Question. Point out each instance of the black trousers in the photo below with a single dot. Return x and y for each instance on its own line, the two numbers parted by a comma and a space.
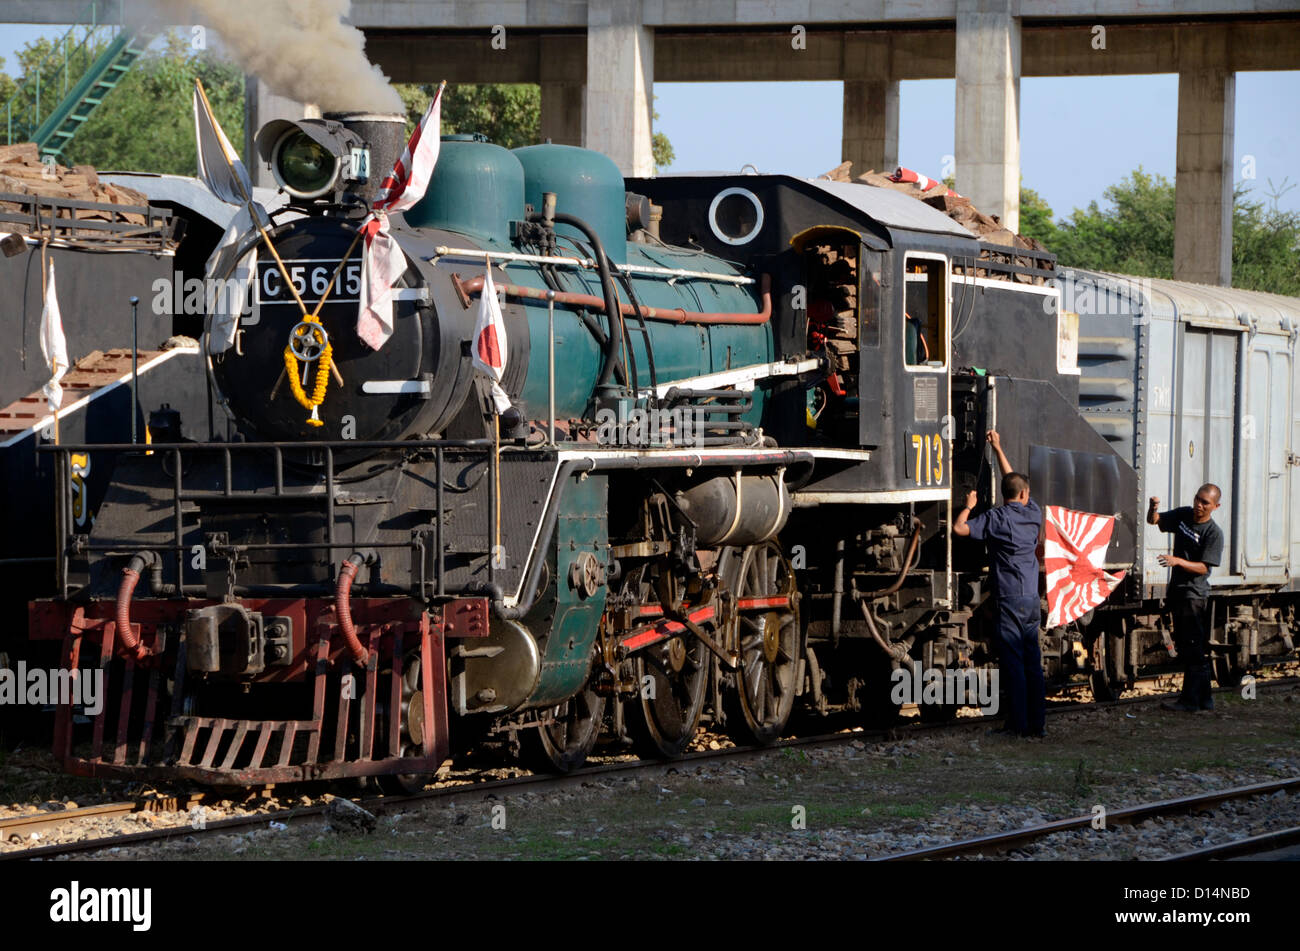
1192, 641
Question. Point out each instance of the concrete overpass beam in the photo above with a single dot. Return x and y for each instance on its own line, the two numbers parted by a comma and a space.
870, 136
988, 107
1207, 93
620, 85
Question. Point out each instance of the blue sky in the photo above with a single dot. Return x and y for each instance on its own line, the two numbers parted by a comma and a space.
1077, 135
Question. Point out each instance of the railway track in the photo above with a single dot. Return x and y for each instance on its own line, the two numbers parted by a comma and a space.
386, 805
1240, 848
1002, 842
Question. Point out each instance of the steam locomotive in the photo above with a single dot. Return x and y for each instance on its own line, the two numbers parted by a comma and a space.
743, 408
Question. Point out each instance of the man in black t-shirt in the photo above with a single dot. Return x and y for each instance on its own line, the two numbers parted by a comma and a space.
1198, 547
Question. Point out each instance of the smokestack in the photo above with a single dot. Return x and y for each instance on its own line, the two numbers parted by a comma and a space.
385, 134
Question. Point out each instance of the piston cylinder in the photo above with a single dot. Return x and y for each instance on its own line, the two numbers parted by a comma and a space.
736, 510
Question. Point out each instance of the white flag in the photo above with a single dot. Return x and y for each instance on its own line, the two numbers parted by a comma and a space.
382, 265
227, 288
383, 261
219, 164
53, 344
489, 349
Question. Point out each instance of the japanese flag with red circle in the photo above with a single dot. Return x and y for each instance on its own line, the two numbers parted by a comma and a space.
1074, 556
489, 349
383, 261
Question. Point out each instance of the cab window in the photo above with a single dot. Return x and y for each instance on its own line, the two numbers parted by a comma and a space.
925, 312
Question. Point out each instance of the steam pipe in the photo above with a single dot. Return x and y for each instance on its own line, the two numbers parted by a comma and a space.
343, 605
897, 652
131, 577
907, 564
674, 315
612, 308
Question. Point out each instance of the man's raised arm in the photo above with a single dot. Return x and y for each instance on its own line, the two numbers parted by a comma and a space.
996, 442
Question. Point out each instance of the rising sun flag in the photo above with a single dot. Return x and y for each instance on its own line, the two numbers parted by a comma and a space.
384, 262
1074, 557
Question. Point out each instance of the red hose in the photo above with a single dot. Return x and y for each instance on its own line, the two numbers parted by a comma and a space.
675, 315
124, 591
343, 607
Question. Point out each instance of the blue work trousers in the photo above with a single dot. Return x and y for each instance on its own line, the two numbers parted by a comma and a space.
1021, 665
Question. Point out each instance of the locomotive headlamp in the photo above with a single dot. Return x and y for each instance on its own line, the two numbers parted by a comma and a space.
311, 158
303, 166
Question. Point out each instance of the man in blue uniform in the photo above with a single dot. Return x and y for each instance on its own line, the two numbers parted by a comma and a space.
1198, 547
1011, 532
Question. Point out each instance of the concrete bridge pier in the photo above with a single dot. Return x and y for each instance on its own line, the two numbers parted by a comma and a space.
619, 98
870, 137
988, 107
1207, 92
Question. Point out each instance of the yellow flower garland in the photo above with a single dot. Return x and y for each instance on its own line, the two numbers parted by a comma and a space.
322, 375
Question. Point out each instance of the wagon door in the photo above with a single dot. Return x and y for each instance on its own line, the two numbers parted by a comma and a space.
1265, 449
1205, 424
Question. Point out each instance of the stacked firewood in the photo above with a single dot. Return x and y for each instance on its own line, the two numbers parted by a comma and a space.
940, 196
833, 306
22, 173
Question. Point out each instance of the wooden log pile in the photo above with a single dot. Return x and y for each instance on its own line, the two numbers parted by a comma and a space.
23, 173
938, 195
834, 312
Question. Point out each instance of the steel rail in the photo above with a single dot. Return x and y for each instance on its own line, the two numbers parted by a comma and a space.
541, 782
1004, 841
1252, 845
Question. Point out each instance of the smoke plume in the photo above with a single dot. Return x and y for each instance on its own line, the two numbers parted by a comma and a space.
301, 49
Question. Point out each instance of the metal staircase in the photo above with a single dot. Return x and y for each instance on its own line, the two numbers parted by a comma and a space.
62, 92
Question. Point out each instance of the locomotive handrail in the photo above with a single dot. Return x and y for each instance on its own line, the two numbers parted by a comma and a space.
66, 541
591, 302
473, 254
403, 444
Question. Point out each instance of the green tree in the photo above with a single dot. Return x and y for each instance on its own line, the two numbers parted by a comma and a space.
1265, 245
1036, 218
509, 114
47, 69
7, 85
147, 122
1135, 234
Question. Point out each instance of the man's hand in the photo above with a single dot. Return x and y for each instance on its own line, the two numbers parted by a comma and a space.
996, 442
1171, 561
971, 499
